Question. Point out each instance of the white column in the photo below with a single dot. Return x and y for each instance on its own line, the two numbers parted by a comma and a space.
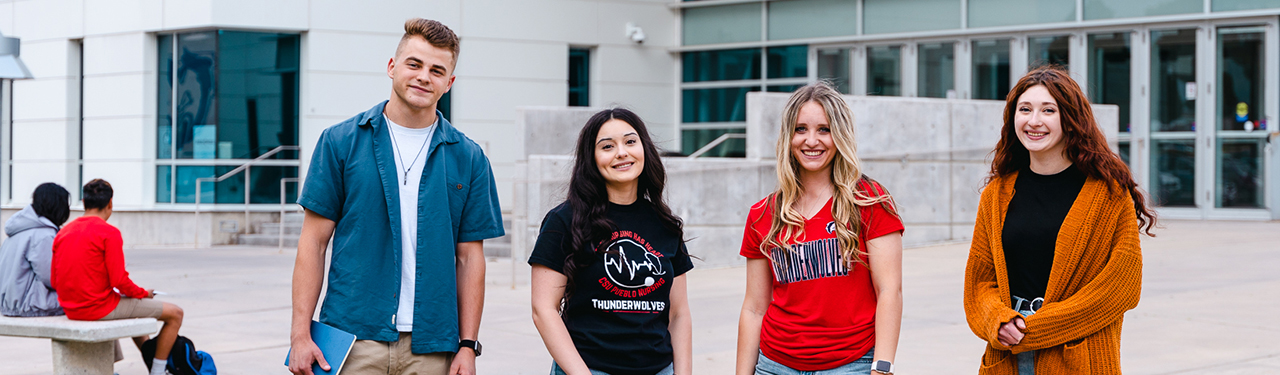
46, 113
1140, 108
964, 69
909, 69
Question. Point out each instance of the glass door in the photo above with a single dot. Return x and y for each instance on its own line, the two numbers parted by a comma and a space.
1240, 132
1173, 117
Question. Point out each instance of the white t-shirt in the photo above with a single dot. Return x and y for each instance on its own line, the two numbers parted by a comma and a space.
409, 141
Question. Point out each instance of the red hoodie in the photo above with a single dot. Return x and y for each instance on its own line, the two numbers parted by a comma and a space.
88, 268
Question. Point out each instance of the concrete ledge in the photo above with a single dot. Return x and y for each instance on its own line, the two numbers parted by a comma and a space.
61, 328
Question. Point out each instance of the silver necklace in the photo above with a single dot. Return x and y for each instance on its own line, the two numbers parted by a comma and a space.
396, 145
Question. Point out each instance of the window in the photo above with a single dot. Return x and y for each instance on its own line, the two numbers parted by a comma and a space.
713, 96
1105, 9
1049, 50
833, 66
1109, 79
225, 97
936, 72
1109, 72
1229, 5
898, 16
989, 13
1173, 114
788, 62
722, 24
812, 19
579, 77
884, 70
990, 69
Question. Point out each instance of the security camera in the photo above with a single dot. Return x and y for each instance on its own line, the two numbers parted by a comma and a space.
635, 33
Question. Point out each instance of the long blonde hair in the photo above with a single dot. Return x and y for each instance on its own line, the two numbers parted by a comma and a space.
846, 172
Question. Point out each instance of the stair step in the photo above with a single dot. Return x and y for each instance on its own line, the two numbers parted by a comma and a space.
274, 228
266, 240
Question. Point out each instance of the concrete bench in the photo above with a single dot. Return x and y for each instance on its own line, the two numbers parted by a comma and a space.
79, 347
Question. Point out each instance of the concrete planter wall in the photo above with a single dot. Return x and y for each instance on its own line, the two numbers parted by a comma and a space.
932, 154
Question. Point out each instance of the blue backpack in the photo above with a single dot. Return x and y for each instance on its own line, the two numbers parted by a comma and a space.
184, 359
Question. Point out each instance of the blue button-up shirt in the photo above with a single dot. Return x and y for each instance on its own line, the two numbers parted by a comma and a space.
353, 181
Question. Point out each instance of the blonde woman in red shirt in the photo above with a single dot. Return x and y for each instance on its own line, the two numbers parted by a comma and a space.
824, 254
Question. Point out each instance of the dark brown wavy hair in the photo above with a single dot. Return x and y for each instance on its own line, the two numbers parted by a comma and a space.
1086, 146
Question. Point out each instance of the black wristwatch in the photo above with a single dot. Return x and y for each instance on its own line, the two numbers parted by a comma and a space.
472, 344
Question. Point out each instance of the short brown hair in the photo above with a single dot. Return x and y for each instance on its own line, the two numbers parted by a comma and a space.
434, 32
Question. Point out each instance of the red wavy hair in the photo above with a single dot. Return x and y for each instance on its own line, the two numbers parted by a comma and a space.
1086, 146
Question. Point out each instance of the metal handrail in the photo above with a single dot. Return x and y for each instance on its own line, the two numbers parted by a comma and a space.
717, 142
243, 167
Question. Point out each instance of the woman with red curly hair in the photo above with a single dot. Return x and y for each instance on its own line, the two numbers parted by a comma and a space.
1055, 260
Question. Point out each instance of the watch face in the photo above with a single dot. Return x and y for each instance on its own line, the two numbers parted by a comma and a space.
883, 366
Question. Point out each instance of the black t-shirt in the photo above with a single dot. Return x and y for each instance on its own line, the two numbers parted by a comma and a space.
617, 314
1040, 203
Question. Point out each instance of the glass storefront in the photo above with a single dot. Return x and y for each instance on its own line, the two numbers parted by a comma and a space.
1173, 117
1241, 128
1193, 79
225, 97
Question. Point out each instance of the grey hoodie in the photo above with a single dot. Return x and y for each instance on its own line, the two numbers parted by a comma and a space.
25, 258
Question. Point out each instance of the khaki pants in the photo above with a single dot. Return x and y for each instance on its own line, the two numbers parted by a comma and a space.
129, 308
370, 357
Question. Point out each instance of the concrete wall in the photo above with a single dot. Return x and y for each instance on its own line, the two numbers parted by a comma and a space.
150, 229
712, 195
932, 154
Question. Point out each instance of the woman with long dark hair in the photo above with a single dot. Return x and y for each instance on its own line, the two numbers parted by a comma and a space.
26, 257
824, 253
1055, 259
608, 286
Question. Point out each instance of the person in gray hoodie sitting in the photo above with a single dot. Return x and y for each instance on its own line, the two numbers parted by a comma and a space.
25, 257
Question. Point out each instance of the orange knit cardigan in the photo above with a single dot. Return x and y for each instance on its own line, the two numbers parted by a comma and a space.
1096, 277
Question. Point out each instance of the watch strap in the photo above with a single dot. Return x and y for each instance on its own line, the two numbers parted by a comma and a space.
474, 345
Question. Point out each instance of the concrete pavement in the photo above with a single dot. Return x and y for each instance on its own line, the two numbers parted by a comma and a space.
1210, 302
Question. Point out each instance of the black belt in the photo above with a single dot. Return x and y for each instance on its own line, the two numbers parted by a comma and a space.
1020, 304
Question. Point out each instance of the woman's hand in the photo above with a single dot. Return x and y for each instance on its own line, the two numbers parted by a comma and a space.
1011, 331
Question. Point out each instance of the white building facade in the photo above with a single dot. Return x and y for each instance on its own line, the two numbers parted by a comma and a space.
152, 95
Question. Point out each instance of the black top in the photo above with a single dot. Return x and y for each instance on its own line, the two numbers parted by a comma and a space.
1040, 203
617, 314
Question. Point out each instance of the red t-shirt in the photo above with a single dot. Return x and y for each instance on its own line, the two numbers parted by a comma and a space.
88, 268
822, 314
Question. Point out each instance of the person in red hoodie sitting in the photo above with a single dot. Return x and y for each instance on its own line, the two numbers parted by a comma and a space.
88, 274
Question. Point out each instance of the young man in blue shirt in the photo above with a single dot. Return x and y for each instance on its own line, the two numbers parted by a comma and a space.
408, 201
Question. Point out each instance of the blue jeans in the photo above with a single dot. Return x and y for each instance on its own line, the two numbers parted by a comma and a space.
1026, 360
862, 366
556, 370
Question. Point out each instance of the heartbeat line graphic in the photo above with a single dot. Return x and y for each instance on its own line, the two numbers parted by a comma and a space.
623, 264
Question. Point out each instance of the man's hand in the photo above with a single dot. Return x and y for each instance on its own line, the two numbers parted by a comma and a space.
1011, 331
303, 353
464, 363
151, 293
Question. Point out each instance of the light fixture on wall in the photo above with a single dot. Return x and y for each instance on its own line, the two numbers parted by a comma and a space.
11, 67
635, 33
